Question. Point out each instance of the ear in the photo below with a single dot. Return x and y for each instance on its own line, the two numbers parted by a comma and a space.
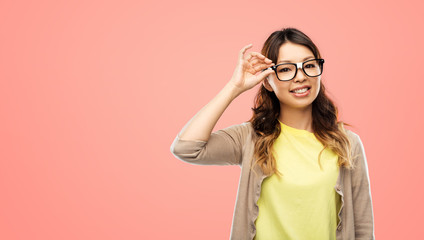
265, 83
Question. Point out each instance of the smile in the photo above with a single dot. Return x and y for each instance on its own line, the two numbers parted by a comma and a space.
301, 92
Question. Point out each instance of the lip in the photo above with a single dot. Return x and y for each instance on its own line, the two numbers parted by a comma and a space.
303, 86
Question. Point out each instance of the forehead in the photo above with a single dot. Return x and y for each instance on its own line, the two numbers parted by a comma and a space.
293, 52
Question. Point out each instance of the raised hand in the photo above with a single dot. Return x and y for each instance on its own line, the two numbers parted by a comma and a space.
244, 76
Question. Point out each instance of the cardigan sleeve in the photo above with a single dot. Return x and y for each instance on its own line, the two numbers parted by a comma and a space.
361, 191
224, 147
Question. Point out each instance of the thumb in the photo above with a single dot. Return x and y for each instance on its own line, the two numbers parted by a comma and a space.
264, 74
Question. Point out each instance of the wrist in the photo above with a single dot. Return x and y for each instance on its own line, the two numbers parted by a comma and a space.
233, 89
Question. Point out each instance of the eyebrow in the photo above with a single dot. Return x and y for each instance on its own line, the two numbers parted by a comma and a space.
302, 60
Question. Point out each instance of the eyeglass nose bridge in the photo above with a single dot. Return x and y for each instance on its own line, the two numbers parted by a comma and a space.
299, 65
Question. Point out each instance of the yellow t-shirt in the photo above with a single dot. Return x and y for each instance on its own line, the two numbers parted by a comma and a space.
303, 204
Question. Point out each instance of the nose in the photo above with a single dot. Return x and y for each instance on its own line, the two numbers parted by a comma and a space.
300, 75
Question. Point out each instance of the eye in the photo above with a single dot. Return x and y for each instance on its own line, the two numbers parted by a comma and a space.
310, 65
284, 70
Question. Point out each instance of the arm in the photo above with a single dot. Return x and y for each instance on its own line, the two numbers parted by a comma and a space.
243, 79
361, 191
201, 125
224, 147
195, 143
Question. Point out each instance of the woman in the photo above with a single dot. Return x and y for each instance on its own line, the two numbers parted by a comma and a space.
303, 175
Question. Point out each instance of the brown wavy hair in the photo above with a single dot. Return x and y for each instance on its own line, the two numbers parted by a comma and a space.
327, 129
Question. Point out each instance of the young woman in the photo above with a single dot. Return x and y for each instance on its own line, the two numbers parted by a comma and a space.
303, 175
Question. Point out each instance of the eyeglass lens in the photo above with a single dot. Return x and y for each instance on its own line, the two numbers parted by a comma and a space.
287, 71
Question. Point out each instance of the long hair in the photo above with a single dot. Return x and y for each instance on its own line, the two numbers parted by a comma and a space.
327, 129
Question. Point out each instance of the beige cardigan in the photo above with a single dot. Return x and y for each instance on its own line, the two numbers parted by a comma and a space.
234, 145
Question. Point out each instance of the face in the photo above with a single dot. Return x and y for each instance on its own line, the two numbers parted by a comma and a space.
294, 53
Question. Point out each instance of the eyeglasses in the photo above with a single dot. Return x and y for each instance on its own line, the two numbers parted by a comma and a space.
287, 71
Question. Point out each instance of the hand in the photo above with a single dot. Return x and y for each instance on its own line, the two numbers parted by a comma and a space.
244, 76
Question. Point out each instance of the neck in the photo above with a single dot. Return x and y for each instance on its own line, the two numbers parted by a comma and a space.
300, 118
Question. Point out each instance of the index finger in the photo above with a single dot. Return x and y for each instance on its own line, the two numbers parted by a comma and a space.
258, 55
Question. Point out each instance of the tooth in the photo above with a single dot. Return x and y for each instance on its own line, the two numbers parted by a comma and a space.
301, 90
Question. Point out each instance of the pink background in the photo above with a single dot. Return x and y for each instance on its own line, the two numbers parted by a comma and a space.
94, 92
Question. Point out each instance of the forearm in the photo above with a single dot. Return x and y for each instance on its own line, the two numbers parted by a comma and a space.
201, 125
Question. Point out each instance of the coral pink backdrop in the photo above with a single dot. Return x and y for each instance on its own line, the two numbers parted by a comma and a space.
94, 92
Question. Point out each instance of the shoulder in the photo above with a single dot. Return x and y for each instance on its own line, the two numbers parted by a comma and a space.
243, 127
357, 150
353, 138
248, 128
242, 130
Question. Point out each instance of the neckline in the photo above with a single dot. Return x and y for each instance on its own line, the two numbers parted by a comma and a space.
295, 131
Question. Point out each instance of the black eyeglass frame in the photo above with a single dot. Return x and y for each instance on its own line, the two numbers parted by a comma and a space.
298, 65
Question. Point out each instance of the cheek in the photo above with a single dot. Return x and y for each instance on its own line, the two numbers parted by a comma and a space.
277, 85
273, 82
282, 91
318, 85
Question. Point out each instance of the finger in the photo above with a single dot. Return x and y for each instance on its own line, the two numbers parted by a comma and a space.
251, 70
259, 67
243, 50
248, 56
258, 55
255, 60
264, 74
